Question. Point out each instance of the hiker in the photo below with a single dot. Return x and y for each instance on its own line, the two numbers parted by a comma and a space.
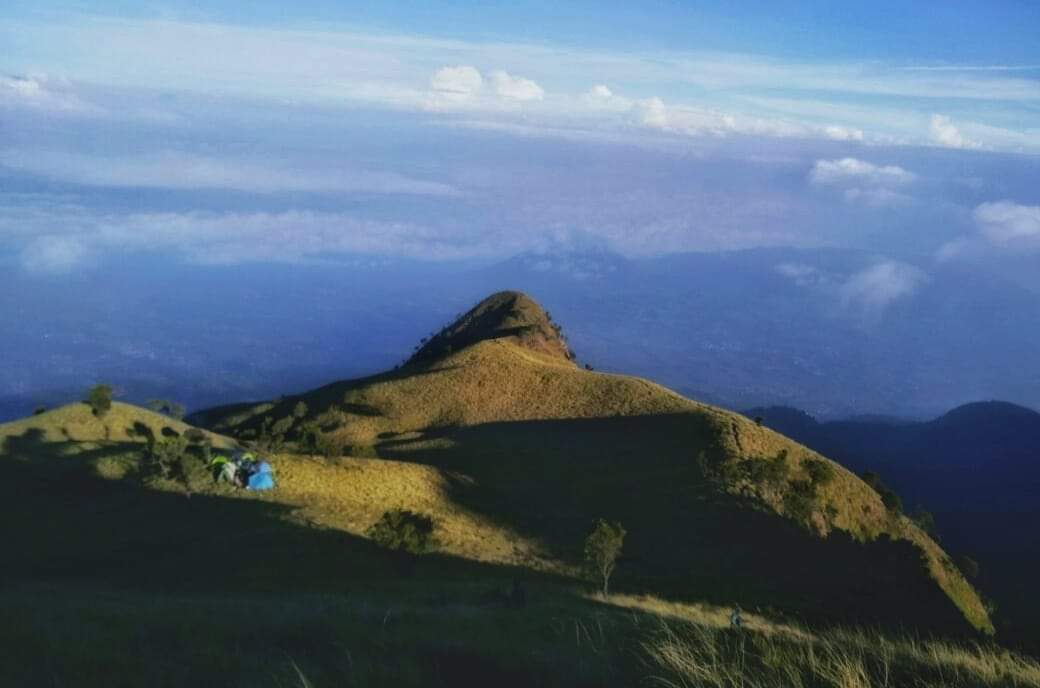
735, 619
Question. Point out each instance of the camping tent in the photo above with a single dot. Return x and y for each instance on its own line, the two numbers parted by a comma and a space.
243, 470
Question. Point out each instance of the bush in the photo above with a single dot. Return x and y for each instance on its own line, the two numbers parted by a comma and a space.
300, 410
168, 408
925, 521
820, 472
889, 498
39, 410
99, 398
401, 530
166, 457
800, 500
602, 549
772, 472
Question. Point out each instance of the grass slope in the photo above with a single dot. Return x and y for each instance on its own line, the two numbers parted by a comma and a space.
117, 579
520, 438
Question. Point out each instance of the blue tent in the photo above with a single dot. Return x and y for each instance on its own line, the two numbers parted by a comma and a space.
262, 478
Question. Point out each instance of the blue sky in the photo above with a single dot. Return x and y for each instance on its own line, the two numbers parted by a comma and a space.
463, 131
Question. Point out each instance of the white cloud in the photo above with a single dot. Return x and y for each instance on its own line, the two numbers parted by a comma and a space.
515, 87
461, 82
207, 237
41, 93
942, 131
840, 133
874, 289
848, 171
53, 255
1006, 224
173, 170
864, 182
653, 113
600, 91
328, 67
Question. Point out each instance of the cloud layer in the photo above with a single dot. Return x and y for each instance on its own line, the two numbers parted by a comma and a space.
174, 170
863, 182
684, 93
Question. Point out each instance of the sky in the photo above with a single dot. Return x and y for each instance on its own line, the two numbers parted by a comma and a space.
260, 131
254, 133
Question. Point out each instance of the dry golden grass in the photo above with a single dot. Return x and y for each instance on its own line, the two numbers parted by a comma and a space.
75, 423
691, 653
351, 494
502, 381
509, 383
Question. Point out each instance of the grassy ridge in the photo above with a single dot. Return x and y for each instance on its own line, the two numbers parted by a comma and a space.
117, 579
530, 428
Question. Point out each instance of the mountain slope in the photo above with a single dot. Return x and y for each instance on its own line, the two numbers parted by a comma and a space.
716, 507
975, 468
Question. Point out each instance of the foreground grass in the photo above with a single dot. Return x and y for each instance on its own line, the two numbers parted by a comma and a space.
688, 655
448, 633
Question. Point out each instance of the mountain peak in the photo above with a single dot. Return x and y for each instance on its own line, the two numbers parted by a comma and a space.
504, 315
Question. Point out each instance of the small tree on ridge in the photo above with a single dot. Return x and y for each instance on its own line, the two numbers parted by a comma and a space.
602, 549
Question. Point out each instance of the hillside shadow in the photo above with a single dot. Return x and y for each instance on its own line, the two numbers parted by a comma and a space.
64, 523
551, 479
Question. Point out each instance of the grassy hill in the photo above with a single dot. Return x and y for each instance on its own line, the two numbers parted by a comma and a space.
117, 578
526, 440
117, 575
973, 468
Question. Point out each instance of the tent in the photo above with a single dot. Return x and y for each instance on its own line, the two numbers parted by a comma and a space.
262, 478
243, 470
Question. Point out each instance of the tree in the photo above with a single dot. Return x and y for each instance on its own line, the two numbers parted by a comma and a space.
602, 549
99, 398
168, 408
300, 410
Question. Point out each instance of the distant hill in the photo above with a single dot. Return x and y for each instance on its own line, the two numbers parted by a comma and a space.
712, 502
976, 468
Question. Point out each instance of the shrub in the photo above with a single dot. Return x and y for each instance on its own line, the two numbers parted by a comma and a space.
300, 410
168, 408
800, 500
889, 498
925, 521
772, 472
99, 398
401, 530
602, 549
39, 410
820, 472
166, 457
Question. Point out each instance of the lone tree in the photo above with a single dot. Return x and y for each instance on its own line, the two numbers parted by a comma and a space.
99, 398
602, 548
